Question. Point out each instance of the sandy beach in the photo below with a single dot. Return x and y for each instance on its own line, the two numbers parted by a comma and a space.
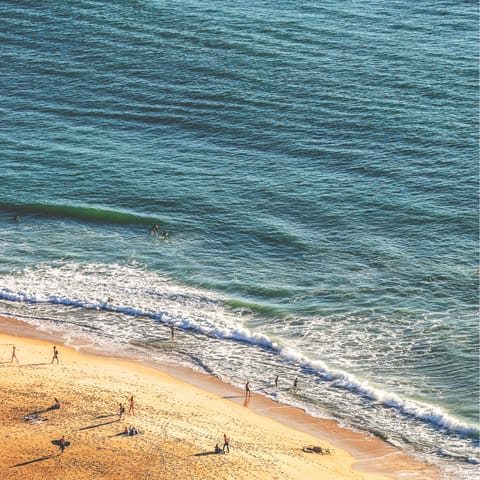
181, 418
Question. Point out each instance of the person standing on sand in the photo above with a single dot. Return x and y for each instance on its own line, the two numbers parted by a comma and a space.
14, 354
131, 408
226, 443
55, 354
62, 444
247, 390
121, 411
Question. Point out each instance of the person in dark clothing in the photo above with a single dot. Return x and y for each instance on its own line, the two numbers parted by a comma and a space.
61, 443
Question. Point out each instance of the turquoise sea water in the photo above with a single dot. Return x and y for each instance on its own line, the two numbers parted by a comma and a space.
316, 168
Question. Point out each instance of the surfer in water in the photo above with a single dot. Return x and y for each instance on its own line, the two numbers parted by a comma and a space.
154, 229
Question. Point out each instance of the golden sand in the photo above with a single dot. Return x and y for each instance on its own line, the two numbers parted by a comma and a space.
180, 425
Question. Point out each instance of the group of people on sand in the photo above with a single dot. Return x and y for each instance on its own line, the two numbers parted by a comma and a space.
248, 392
131, 430
62, 443
131, 408
57, 403
54, 358
226, 445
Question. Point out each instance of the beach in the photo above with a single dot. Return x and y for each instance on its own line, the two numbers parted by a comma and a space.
311, 170
179, 424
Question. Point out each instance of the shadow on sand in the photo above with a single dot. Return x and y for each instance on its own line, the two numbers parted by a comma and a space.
41, 459
119, 434
203, 454
98, 425
48, 409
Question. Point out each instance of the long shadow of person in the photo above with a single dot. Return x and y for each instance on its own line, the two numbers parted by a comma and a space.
203, 454
41, 459
98, 425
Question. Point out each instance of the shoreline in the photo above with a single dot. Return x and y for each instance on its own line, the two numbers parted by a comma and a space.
372, 456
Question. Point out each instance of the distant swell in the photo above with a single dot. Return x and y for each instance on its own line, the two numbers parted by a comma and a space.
80, 212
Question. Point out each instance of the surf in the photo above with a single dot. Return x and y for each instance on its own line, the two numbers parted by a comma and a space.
136, 293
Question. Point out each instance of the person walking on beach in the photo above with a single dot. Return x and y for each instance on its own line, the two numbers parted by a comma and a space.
226, 443
131, 408
172, 331
247, 390
14, 354
55, 354
121, 411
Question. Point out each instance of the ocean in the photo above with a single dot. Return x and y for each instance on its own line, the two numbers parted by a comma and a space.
315, 165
